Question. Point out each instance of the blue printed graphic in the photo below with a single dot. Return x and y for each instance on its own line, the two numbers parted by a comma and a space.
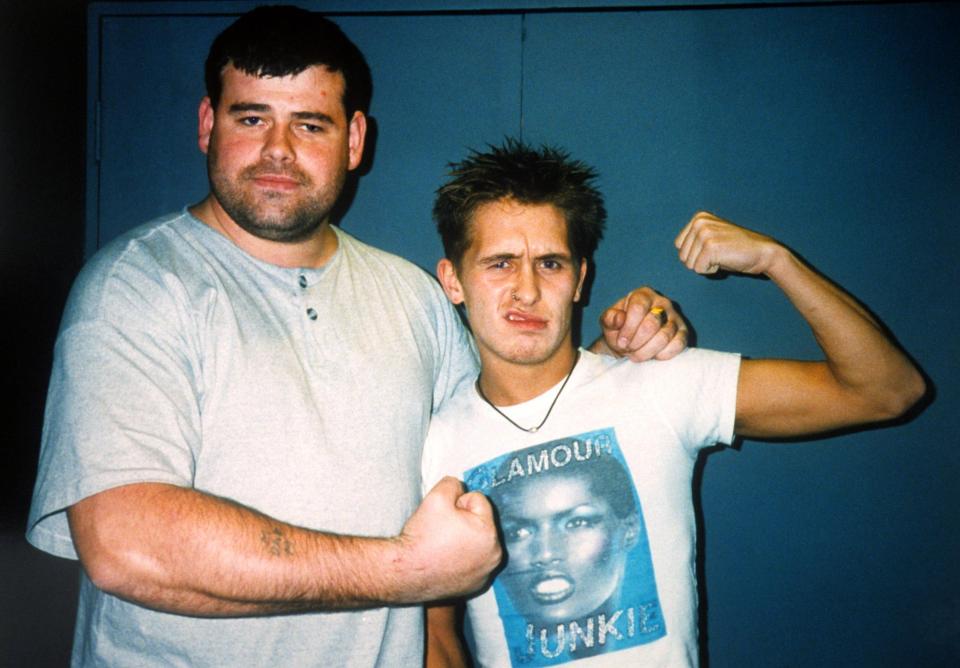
578, 579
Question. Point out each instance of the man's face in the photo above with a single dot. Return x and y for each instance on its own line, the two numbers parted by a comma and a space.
518, 280
566, 548
278, 150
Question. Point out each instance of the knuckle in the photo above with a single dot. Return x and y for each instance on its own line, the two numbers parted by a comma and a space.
661, 338
669, 330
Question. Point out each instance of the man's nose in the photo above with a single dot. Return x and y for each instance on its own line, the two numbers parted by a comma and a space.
278, 145
527, 287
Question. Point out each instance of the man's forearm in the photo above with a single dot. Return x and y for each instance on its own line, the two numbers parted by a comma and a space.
858, 352
186, 552
864, 377
443, 647
183, 551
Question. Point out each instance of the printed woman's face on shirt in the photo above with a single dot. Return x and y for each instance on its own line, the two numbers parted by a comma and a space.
566, 548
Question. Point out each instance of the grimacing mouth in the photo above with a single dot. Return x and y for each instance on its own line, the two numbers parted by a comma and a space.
552, 587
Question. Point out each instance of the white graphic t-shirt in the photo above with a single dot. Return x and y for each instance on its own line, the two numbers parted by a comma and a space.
595, 509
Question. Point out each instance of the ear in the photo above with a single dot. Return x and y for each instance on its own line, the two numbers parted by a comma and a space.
631, 534
447, 274
583, 276
205, 124
358, 133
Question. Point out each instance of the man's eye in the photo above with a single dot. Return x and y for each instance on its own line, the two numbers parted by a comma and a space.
312, 128
501, 264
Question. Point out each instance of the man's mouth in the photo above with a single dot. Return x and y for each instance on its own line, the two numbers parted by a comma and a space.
525, 320
276, 181
277, 177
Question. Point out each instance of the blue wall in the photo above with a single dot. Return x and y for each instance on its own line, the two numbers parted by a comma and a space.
835, 130
832, 127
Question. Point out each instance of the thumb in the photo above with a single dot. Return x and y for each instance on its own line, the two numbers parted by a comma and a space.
613, 317
476, 503
448, 489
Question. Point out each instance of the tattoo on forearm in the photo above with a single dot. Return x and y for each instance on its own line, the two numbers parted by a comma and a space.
276, 542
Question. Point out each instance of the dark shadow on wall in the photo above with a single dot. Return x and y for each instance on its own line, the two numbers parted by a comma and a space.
42, 48
38, 601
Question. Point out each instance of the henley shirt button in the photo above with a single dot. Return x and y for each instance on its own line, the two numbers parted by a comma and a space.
312, 314
303, 281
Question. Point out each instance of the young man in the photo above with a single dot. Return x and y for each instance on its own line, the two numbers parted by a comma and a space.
545, 427
241, 391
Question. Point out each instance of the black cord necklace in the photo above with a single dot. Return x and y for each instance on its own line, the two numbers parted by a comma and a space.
531, 430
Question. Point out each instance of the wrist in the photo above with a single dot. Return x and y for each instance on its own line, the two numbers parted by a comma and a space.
778, 260
403, 571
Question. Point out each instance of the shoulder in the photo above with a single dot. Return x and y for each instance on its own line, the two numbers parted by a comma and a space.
447, 439
361, 251
691, 363
384, 265
460, 408
152, 241
693, 371
138, 271
399, 285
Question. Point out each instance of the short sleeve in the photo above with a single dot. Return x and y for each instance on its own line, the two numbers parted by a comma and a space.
122, 404
458, 356
430, 464
696, 394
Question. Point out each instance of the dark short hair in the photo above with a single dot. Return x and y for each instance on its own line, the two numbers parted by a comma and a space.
279, 41
516, 171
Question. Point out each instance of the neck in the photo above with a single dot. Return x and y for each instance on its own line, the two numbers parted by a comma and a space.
506, 383
312, 252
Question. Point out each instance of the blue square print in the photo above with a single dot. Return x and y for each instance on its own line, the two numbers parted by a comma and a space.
578, 579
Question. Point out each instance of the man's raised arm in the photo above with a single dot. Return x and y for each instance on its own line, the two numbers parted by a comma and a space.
182, 551
865, 376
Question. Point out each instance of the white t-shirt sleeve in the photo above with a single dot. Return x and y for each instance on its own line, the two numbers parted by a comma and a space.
458, 356
122, 405
696, 395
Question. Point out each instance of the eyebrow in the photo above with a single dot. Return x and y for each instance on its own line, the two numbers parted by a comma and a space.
498, 257
245, 107
313, 116
240, 107
560, 257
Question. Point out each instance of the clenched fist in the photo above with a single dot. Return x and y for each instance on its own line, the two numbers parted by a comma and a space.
709, 243
449, 545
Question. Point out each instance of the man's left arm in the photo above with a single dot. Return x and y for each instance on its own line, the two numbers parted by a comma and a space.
443, 648
643, 325
864, 377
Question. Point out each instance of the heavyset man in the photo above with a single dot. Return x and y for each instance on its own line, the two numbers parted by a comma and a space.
241, 391
595, 566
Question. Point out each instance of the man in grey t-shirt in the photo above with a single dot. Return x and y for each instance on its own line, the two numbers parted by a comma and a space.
237, 490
